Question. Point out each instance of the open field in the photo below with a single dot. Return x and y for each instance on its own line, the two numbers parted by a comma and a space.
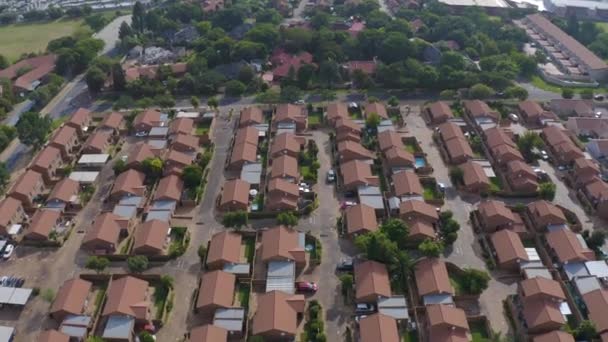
17, 39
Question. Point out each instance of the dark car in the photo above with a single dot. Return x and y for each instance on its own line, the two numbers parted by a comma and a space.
306, 286
345, 265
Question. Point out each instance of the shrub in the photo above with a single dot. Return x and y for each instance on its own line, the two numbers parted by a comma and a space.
137, 264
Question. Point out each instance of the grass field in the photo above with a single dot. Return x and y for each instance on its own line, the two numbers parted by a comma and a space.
33, 37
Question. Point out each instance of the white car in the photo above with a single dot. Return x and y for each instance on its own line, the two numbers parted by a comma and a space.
8, 251
513, 117
544, 155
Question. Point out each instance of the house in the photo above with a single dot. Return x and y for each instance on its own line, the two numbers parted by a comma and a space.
596, 192
432, 278
496, 136
181, 126
71, 299
566, 246
245, 148
438, 112
447, 323
272, 305
208, 333
371, 282
521, 177
185, 143
533, 114
169, 188
28, 187
37, 69
388, 139
357, 173
282, 244
480, 112
588, 127
454, 142
540, 299
570, 107
584, 171
128, 183
224, 249
350, 150
554, 336
421, 229
285, 144
360, 219
147, 120
282, 195
378, 328
494, 215
43, 223
560, 145
235, 196
285, 167
53, 336
102, 237
415, 209
11, 212
335, 111
150, 237
66, 140
64, 195
46, 163
97, 143
80, 120
216, 291
176, 161
508, 249
355, 28
505, 154
407, 184
128, 304
543, 214
598, 148
474, 178
347, 129
399, 158
136, 157
290, 115
251, 116
375, 107
596, 302
284, 63
111, 122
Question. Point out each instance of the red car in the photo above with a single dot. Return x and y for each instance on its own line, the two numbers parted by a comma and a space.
306, 286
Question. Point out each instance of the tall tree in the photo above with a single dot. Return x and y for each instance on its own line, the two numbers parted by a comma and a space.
95, 79
32, 129
138, 18
119, 81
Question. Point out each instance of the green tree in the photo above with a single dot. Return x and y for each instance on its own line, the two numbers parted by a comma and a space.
393, 101
202, 252
329, 73
289, 94
235, 219
194, 102
378, 247
145, 336
546, 191
480, 91
98, 264
474, 281
5, 176
124, 30
119, 82
587, 94
567, 93
287, 218
32, 129
396, 230
95, 79
4, 63
586, 330
137, 263
138, 17
430, 248
192, 176
94, 339
372, 120
213, 102
48, 295
596, 239
153, 167
516, 92
119, 166
527, 142
235, 88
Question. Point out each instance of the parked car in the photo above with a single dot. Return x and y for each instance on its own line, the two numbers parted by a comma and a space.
345, 265
306, 286
441, 187
8, 251
347, 204
359, 318
513, 117
598, 97
331, 176
544, 155
364, 308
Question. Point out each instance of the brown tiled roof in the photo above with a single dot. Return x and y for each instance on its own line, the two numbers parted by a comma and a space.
473, 173
180, 158
208, 333
505, 153
235, 191
371, 280
597, 189
446, 334
280, 242
249, 135
169, 188
419, 207
508, 246
540, 287
26, 182
130, 181
283, 143
407, 183
98, 140
43, 222
361, 218
421, 229
566, 245
45, 158
397, 156
459, 148
140, 153
289, 112
53, 336
478, 108
449, 130
572, 45
597, 302
283, 186
112, 120
149, 117
356, 171
353, 150
336, 110
71, 296
554, 336
8, 207
181, 126
496, 212
244, 152
440, 110
12, 71
388, 139
251, 116
151, 234
64, 190
546, 211
225, 247
497, 136
518, 168
376, 107
275, 314
439, 315
126, 296
573, 106
540, 312
187, 140
555, 136
79, 118
63, 135
532, 110
284, 166
378, 328
105, 228
348, 123
432, 277
216, 289
585, 165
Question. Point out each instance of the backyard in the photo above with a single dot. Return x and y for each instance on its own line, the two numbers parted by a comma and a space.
479, 332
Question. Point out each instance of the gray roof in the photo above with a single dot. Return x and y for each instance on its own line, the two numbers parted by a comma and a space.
93, 158
168, 205
230, 319
119, 327
131, 200
394, 306
162, 215
84, 176
14, 296
125, 211
597, 268
80, 320
281, 276
157, 144
252, 173
74, 331
6, 333
159, 131
533, 272
587, 284
237, 268
443, 298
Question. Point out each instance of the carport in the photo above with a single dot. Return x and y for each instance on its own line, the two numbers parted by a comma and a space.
14, 295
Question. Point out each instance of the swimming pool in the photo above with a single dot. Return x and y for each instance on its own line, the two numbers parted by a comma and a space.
419, 162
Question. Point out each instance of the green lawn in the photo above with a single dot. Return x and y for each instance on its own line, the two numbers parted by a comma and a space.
495, 184
411, 336
249, 249
18, 39
430, 193
244, 295
202, 128
455, 282
479, 332
538, 82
